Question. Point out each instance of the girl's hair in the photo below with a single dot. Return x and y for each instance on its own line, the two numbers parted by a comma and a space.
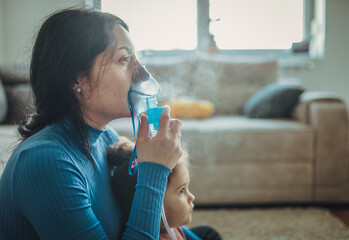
65, 48
184, 159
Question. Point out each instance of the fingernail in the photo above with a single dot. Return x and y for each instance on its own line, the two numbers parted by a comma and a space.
143, 117
167, 109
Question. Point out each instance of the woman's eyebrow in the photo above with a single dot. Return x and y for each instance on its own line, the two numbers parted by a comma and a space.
129, 50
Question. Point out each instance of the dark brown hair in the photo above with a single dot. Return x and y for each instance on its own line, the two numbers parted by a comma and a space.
66, 47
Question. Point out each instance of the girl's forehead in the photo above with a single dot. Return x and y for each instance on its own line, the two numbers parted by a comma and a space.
180, 175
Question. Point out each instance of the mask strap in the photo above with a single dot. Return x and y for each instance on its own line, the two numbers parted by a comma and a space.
132, 166
163, 216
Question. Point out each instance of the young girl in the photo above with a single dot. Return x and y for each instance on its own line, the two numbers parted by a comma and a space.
178, 200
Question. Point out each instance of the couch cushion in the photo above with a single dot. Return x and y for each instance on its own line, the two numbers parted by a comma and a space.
252, 183
223, 139
3, 103
8, 141
20, 102
225, 82
14, 73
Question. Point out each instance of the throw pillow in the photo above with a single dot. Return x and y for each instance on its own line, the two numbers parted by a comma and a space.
3, 103
20, 102
275, 100
14, 73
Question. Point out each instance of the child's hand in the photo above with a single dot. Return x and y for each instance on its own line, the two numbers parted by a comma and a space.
165, 147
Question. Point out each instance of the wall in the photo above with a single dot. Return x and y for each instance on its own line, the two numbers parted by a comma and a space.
1, 33
332, 72
21, 20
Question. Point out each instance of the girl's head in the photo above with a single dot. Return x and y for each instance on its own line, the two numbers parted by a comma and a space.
82, 63
178, 201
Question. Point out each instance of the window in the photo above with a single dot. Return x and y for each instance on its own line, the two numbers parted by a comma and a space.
256, 24
230, 25
157, 24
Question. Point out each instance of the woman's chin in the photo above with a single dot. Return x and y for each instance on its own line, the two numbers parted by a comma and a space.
125, 114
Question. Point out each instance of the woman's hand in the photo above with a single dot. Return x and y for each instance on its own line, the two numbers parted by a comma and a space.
165, 147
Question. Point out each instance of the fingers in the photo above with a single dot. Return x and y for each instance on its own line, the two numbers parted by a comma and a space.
167, 125
143, 128
175, 131
164, 123
165, 147
175, 127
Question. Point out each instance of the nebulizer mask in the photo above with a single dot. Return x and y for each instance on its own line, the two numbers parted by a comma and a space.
142, 97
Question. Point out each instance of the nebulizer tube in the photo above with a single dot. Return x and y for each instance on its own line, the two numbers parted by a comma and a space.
142, 97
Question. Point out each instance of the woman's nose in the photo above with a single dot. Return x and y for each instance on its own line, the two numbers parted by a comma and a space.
136, 62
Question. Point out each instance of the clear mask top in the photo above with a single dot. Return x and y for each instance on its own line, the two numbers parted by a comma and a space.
143, 88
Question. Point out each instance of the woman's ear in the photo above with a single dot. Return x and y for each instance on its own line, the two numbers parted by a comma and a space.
76, 87
80, 82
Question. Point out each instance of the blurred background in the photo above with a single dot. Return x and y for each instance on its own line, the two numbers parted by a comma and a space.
238, 27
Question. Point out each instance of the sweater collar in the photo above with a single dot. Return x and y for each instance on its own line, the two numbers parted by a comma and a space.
94, 133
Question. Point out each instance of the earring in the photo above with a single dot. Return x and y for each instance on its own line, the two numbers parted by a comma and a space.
78, 90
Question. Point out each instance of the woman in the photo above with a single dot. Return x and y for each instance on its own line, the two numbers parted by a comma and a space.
56, 183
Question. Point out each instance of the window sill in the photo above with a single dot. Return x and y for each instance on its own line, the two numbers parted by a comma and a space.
285, 58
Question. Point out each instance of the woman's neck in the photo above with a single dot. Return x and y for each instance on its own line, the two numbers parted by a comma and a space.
98, 124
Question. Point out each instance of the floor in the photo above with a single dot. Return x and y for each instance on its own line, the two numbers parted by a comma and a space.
341, 211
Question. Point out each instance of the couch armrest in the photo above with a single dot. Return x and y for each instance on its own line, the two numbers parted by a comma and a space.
302, 111
328, 115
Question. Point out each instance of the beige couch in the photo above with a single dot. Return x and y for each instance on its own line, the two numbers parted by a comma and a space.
238, 160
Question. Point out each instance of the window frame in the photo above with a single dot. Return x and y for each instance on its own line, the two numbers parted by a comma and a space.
203, 37
285, 57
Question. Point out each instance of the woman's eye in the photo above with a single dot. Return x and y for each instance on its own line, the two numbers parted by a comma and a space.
126, 59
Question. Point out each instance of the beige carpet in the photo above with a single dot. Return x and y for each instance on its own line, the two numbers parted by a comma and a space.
273, 223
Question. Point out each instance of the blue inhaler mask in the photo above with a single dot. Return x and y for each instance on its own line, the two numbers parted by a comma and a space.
142, 97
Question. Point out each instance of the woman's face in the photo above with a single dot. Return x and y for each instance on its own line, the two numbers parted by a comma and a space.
178, 201
104, 92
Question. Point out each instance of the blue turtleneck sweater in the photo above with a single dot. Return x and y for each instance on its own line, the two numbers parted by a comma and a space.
49, 190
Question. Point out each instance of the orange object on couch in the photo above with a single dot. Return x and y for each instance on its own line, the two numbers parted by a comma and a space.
190, 108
